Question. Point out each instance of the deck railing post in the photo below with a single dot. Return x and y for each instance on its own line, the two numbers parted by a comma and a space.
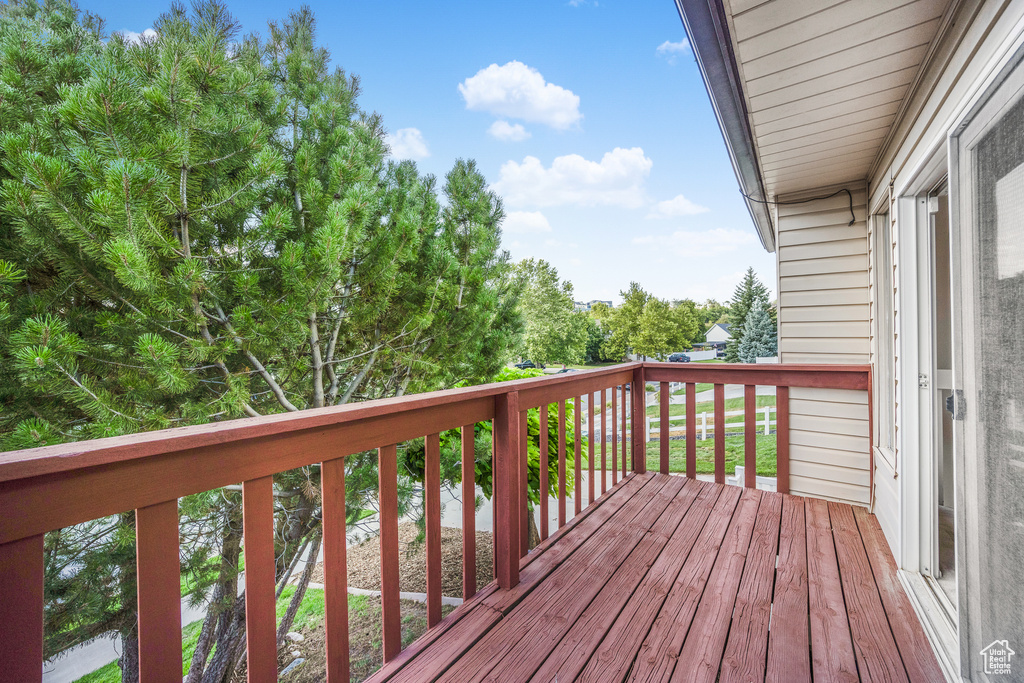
506, 488
639, 416
21, 609
782, 438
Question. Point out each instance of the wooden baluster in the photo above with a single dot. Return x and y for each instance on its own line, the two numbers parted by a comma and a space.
159, 591
615, 436
591, 435
21, 609
750, 436
691, 430
524, 483
506, 488
494, 496
432, 503
604, 440
638, 434
625, 424
260, 579
468, 511
719, 434
561, 464
332, 487
577, 453
782, 438
545, 482
664, 437
387, 473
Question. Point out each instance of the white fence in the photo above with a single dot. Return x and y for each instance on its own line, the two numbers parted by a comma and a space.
703, 429
702, 355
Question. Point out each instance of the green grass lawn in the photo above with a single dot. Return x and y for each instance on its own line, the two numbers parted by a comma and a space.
709, 407
701, 386
111, 673
766, 458
311, 612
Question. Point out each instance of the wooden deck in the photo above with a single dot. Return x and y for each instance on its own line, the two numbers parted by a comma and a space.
667, 578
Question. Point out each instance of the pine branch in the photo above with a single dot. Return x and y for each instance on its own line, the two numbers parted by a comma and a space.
275, 388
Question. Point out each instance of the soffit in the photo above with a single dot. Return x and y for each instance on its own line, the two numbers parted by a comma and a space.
823, 81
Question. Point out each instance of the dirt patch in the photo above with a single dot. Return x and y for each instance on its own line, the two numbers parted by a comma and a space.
365, 640
364, 562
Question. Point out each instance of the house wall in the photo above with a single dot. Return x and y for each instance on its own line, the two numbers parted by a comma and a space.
717, 334
980, 39
824, 318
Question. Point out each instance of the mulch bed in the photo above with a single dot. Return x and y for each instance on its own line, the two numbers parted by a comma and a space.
365, 640
364, 562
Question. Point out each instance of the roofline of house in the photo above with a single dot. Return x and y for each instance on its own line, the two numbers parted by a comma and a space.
708, 33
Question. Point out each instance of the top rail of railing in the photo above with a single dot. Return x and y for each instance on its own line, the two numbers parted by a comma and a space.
55, 486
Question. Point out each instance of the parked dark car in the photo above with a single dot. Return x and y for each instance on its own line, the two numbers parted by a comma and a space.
678, 358
529, 364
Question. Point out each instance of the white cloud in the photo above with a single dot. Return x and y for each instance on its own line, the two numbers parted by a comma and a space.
526, 222
617, 180
511, 132
407, 143
668, 47
134, 38
670, 50
677, 206
518, 91
699, 244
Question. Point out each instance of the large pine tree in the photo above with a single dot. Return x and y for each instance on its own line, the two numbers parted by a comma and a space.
758, 340
198, 228
748, 292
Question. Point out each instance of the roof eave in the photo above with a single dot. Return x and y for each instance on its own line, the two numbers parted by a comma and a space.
708, 33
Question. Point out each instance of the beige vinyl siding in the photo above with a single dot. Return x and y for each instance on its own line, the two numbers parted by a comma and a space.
829, 444
824, 282
823, 318
824, 81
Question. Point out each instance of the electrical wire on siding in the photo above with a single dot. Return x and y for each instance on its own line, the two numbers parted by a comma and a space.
853, 218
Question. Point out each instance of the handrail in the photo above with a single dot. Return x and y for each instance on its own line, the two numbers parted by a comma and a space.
57, 486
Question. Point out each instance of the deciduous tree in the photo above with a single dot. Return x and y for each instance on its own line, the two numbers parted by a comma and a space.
553, 331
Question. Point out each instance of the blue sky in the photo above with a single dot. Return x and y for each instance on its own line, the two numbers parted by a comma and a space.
604, 146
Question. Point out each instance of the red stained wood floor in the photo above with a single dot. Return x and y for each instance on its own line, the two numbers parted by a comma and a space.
670, 579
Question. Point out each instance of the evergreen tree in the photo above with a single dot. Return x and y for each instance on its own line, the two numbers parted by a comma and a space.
759, 338
195, 229
748, 291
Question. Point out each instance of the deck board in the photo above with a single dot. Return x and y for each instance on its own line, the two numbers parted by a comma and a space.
620, 633
666, 578
747, 649
789, 644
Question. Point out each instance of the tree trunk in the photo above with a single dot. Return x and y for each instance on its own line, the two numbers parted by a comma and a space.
300, 589
533, 536
230, 640
129, 659
129, 611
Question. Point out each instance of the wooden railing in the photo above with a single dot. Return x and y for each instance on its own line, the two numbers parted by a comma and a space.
782, 377
54, 487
